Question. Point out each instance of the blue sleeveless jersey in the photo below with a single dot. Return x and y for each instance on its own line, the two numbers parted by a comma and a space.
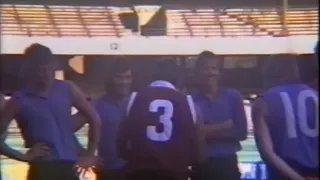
48, 120
111, 116
292, 121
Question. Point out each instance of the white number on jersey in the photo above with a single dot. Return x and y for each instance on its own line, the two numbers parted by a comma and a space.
301, 114
164, 119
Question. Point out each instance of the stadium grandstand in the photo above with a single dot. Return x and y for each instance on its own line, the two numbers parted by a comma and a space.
86, 21
87, 35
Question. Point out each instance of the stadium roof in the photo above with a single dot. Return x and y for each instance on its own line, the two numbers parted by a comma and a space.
223, 3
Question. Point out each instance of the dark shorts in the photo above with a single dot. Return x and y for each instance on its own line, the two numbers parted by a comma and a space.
149, 175
218, 168
273, 174
52, 170
116, 174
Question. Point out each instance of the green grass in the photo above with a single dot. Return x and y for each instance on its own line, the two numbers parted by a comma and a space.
15, 170
248, 154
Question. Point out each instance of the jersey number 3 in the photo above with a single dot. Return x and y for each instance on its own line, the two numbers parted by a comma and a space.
301, 115
165, 119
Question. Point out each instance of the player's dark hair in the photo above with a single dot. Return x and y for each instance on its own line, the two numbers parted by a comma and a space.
38, 54
203, 59
280, 68
167, 70
117, 66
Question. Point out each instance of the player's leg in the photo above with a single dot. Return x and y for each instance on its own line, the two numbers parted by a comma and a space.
138, 175
203, 171
309, 173
149, 175
41, 171
66, 170
228, 168
119, 174
273, 174
218, 168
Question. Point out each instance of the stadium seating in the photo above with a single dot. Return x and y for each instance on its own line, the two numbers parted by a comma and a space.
298, 21
42, 20
241, 22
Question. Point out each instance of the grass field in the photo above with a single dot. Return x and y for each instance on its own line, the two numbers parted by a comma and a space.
15, 170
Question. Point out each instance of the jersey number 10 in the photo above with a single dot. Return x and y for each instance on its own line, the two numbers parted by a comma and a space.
301, 115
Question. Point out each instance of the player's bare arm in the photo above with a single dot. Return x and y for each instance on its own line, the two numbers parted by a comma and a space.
38, 150
79, 121
213, 130
234, 129
210, 130
4, 148
80, 102
8, 114
203, 131
264, 143
9, 111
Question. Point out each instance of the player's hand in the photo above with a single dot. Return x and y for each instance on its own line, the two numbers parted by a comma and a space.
86, 163
38, 150
82, 152
99, 167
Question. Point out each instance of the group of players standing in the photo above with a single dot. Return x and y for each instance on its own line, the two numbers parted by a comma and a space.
159, 132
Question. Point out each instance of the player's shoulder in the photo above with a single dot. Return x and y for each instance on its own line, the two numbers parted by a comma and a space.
231, 92
68, 83
20, 93
307, 87
95, 101
275, 90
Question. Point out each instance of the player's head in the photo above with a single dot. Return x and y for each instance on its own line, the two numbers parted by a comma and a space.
40, 64
120, 78
167, 70
280, 69
207, 69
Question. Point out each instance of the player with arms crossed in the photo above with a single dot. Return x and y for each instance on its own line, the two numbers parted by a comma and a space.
286, 121
159, 135
218, 104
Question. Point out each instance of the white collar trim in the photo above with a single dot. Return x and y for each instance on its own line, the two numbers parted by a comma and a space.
161, 83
